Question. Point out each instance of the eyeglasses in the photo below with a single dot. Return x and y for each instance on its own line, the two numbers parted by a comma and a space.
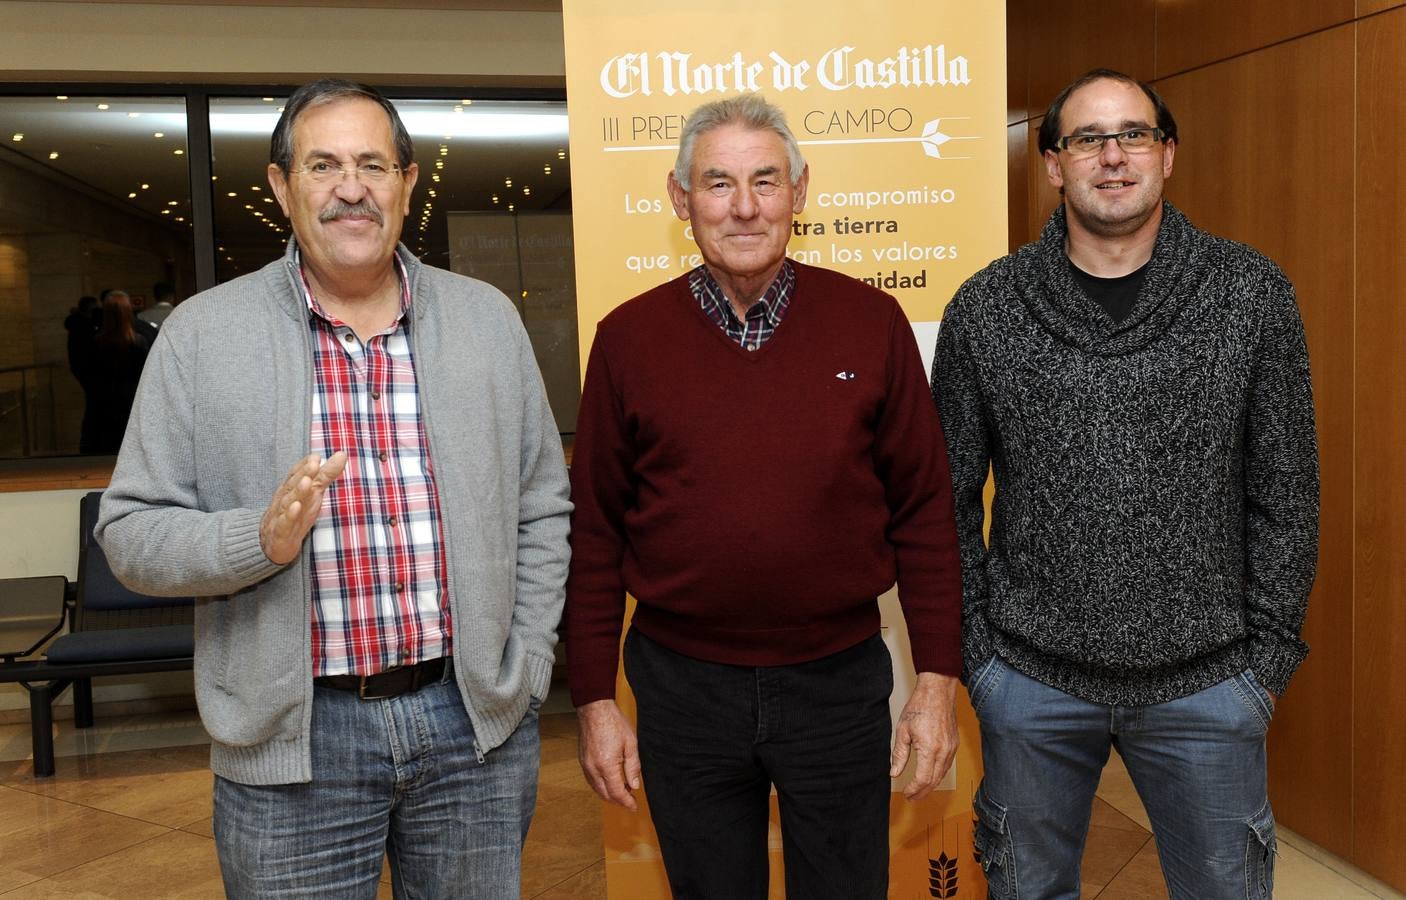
724, 190
1134, 140
368, 172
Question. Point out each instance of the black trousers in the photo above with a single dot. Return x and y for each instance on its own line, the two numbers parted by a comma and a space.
713, 740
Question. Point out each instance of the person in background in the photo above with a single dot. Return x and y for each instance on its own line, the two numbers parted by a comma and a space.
82, 326
163, 301
119, 352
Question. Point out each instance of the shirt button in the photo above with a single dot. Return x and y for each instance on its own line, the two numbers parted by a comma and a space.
405, 654
375, 395
381, 456
391, 521
399, 586
349, 337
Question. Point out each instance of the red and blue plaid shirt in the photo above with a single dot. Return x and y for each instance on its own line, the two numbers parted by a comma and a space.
379, 573
763, 317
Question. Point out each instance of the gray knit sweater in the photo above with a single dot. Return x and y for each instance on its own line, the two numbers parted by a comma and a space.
223, 412
1155, 523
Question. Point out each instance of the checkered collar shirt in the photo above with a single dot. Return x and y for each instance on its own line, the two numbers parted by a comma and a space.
379, 570
763, 316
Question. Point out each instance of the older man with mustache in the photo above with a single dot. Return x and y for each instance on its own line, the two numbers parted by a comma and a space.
372, 643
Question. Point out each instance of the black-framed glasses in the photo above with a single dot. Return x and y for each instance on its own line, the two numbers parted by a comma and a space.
1134, 140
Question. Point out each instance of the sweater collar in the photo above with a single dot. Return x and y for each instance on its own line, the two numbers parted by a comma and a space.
1055, 299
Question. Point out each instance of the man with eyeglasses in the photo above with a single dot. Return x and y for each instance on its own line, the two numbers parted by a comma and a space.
756, 461
372, 643
1140, 391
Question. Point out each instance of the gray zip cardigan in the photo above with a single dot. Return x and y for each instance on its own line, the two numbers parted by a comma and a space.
223, 412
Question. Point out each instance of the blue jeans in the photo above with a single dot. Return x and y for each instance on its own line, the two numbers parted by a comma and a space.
1198, 763
714, 738
398, 778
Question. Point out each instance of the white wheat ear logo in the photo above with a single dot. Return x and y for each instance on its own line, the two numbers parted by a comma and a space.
846, 376
932, 139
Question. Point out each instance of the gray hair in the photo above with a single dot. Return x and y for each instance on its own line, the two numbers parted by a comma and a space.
751, 111
327, 90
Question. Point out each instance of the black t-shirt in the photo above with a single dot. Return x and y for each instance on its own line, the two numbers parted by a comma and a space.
1115, 295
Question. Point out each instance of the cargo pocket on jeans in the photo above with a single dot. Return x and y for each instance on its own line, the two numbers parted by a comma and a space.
1260, 850
993, 846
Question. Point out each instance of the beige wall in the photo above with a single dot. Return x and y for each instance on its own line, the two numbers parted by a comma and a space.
39, 533
210, 42
1290, 123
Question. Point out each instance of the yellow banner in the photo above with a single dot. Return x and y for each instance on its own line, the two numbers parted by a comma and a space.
899, 108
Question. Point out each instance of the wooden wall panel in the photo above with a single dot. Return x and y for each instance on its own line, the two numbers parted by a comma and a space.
1367, 7
1043, 196
1069, 37
1266, 159
1192, 33
1018, 60
1017, 184
1379, 701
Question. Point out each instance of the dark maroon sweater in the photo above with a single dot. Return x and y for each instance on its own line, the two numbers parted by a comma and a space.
757, 503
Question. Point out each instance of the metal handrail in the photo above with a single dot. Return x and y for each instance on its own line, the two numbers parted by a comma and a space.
26, 445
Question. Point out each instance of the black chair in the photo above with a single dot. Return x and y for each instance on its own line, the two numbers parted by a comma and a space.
112, 631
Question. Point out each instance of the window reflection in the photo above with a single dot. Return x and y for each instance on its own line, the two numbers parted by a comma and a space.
528, 257
94, 198
250, 229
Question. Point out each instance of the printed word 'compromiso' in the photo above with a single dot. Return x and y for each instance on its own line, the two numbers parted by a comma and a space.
922, 196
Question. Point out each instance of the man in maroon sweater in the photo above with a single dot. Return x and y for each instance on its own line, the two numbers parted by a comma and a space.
757, 459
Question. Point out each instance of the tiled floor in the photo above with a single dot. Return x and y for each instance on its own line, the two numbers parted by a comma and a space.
125, 822
1120, 843
128, 816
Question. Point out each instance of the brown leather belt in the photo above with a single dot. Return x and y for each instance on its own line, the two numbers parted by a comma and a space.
388, 683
